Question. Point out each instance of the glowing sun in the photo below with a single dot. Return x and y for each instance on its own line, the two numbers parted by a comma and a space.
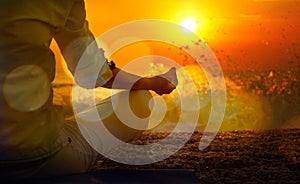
189, 24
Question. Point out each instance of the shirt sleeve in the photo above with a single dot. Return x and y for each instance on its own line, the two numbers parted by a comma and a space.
84, 59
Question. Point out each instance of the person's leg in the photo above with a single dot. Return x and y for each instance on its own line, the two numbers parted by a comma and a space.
130, 116
78, 156
122, 117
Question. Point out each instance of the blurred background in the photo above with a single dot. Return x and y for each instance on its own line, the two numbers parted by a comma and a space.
257, 44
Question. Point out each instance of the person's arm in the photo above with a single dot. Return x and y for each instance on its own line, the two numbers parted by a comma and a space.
77, 44
75, 37
161, 84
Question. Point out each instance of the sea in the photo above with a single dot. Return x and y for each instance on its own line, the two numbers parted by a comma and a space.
255, 100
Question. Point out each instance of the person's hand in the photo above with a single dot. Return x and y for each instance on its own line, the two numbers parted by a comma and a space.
161, 84
165, 83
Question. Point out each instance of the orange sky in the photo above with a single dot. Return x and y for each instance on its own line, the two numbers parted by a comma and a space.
245, 34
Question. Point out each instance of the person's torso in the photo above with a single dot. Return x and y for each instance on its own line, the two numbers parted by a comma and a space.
28, 122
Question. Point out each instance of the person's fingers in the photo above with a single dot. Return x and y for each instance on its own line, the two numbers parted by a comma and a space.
168, 82
171, 76
174, 76
171, 87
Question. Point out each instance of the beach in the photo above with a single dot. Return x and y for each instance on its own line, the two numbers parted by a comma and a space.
258, 141
261, 156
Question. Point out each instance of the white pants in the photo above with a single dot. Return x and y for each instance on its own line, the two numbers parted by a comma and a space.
78, 156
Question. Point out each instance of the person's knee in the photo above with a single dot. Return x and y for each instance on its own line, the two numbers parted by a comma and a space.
130, 117
140, 103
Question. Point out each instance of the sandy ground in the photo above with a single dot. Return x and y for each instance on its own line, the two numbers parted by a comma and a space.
256, 156
265, 156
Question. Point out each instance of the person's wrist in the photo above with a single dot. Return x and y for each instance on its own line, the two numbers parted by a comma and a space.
111, 64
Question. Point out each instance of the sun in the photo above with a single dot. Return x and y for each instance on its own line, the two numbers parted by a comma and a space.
189, 24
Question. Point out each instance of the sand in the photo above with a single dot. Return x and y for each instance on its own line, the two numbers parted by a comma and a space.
262, 156
256, 100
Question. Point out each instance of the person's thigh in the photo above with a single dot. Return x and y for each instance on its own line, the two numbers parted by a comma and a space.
75, 157
129, 117
79, 155
120, 118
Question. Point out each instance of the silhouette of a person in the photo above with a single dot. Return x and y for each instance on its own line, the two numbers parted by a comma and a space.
34, 139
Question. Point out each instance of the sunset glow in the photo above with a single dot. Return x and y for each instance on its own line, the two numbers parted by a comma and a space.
244, 35
256, 42
249, 34
189, 24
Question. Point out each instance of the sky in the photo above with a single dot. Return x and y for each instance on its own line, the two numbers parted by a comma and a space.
244, 34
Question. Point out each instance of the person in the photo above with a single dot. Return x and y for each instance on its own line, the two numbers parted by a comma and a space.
35, 140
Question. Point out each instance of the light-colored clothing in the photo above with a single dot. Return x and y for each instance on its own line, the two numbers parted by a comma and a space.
34, 139
78, 156
30, 128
